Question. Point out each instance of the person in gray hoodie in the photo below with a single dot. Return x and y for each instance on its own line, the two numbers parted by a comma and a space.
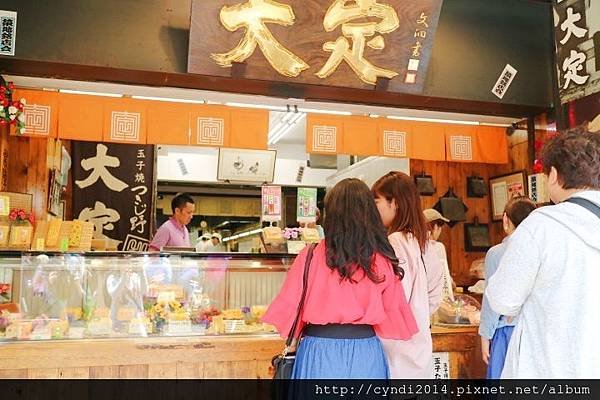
550, 273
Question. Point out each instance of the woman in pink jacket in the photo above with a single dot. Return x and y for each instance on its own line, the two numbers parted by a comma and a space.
399, 205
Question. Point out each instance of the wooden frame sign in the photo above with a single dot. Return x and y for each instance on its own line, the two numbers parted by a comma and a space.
361, 44
505, 187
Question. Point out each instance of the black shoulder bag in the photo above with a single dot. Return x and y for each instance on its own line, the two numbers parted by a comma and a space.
585, 203
284, 362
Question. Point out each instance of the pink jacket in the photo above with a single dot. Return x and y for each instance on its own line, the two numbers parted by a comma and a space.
423, 284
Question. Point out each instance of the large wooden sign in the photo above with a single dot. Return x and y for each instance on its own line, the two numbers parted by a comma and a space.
351, 43
577, 34
112, 188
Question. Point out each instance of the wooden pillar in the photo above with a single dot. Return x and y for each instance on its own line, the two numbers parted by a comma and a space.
4, 131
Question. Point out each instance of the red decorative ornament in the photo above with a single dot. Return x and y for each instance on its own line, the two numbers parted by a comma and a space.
2, 122
538, 167
11, 86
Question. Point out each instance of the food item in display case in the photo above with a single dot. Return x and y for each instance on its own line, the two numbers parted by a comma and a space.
74, 313
58, 328
76, 332
463, 310
233, 313
163, 312
140, 327
23, 330
126, 313
167, 290
99, 327
101, 312
5, 322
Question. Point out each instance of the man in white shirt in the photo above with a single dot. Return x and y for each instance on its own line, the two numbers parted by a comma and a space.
550, 271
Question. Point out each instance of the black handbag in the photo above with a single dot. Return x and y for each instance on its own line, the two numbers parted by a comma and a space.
283, 363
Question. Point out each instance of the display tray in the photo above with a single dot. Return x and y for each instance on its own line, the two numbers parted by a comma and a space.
445, 325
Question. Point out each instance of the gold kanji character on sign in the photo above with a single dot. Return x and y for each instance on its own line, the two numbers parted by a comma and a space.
253, 15
341, 50
423, 20
416, 49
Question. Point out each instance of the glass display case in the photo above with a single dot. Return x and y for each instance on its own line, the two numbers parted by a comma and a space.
111, 295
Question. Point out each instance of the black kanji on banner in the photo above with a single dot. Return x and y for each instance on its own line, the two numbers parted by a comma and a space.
112, 188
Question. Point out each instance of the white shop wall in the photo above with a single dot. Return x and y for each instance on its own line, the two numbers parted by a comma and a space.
197, 164
370, 169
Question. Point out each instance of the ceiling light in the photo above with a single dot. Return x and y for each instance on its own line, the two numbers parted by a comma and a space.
169, 99
374, 115
495, 124
260, 106
441, 121
317, 111
90, 93
277, 136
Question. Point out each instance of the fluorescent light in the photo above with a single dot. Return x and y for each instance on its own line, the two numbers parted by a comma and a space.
316, 111
260, 106
242, 235
494, 124
441, 121
278, 134
374, 115
169, 99
90, 93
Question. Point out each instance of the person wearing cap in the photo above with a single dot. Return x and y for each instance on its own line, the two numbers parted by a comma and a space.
204, 242
216, 243
435, 223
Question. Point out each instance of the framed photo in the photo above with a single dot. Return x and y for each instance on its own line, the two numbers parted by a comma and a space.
505, 187
239, 165
477, 237
61, 210
54, 194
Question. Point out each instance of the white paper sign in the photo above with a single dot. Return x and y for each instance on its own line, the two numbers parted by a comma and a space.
8, 32
441, 365
504, 81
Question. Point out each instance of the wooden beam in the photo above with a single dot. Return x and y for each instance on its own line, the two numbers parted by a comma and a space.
15, 66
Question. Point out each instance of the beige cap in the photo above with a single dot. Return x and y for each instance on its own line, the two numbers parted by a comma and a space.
434, 215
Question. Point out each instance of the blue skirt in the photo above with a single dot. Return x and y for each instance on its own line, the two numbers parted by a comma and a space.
324, 358
498, 348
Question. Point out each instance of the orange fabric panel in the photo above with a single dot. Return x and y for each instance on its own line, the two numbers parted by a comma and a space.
360, 136
124, 121
210, 126
428, 141
394, 138
462, 144
249, 129
324, 134
41, 112
493, 145
168, 123
80, 117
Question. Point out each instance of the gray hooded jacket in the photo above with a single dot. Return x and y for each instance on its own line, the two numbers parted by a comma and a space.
550, 276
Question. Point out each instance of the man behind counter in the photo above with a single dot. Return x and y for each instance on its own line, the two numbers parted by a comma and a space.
173, 233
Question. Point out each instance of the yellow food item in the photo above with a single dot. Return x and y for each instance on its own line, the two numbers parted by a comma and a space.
53, 233
232, 314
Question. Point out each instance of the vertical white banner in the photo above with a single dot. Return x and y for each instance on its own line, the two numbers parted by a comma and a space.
8, 32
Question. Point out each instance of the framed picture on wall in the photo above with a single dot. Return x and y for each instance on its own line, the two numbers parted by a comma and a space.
505, 187
240, 165
54, 194
477, 237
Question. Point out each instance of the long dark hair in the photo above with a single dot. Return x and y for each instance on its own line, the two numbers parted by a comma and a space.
354, 232
409, 218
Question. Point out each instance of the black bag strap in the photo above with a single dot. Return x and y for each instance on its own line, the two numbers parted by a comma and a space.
291, 335
585, 203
